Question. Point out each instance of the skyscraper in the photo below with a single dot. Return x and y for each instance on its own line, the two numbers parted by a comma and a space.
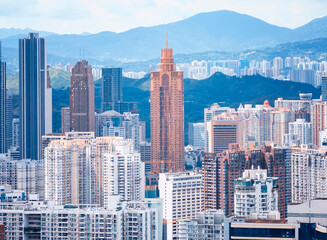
9, 118
81, 98
2, 106
220, 170
112, 92
278, 163
324, 88
65, 120
35, 96
167, 115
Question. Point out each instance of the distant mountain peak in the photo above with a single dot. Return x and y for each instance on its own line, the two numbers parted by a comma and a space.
222, 30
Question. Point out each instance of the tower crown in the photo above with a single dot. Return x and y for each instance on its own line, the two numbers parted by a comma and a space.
167, 60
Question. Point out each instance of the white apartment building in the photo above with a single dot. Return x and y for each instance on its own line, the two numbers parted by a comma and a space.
46, 139
295, 105
280, 123
114, 124
302, 129
209, 225
255, 194
309, 174
25, 175
182, 195
88, 171
10, 195
44, 220
30, 177
123, 173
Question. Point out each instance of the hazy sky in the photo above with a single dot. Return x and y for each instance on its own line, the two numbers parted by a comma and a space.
77, 16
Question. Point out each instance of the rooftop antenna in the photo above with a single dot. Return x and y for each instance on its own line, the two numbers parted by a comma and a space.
80, 54
166, 40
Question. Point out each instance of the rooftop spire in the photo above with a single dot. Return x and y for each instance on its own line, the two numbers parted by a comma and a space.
166, 40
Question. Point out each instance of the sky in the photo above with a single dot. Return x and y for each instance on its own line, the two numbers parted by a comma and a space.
78, 16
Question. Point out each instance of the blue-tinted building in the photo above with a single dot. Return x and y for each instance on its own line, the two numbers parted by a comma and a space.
324, 88
2, 106
112, 92
261, 230
35, 96
9, 118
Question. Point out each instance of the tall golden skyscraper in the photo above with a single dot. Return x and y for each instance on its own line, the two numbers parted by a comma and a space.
167, 116
81, 98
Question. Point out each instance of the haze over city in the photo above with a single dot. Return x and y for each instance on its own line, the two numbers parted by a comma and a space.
80, 16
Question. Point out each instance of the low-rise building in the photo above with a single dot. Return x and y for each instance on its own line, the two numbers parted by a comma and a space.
209, 225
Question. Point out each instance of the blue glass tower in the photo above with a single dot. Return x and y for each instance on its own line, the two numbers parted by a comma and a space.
35, 96
2, 105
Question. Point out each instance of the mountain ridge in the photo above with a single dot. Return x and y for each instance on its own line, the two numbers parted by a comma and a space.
212, 31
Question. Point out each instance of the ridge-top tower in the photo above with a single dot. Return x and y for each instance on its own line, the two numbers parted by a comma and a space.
167, 116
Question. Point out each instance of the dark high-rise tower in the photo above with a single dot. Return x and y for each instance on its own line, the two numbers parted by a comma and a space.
324, 89
111, 87
112, 92
81, 98
167, 116
2, 106
35, 96
9, 118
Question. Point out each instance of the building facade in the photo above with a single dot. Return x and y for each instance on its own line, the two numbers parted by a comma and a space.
43, 220
196, 135
256, 194
209, 114
324, 89
220, 170
3, 87
167, 116
224, 130
81, 170
182, 195
309, 174
65, 120
35, 96
114, 124
209, 225
81, 98
9, 118
318, 120
112, 92
24, 175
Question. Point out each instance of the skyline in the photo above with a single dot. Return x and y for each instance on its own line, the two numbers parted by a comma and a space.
222, 137
80, 16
